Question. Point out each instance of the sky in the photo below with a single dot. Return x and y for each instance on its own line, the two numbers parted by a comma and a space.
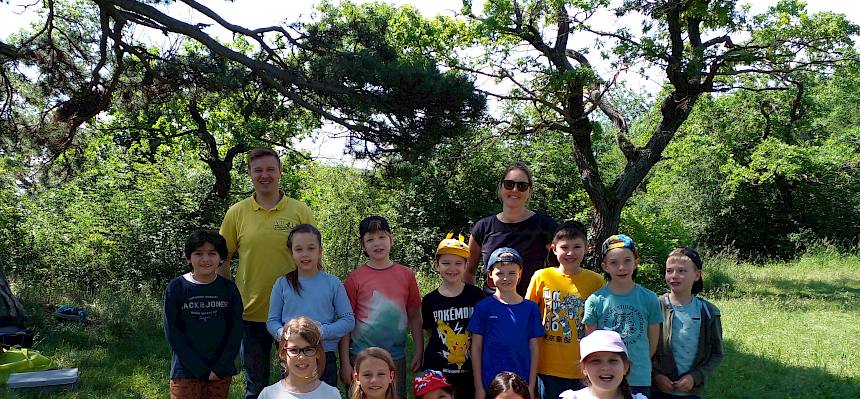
260, 13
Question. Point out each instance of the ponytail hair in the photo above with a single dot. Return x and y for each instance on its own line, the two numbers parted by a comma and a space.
293, 276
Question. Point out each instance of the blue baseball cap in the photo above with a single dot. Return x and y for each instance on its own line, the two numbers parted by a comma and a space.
619, 241
504, 254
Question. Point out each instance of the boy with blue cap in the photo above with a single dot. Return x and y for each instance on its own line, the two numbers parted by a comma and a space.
506, 328
627, 308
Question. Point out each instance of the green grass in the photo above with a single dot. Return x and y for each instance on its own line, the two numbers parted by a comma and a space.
791, 330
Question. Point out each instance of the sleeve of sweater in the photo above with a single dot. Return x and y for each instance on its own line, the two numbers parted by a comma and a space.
276, 306
179, 340
225, 365
344, 319
701, 372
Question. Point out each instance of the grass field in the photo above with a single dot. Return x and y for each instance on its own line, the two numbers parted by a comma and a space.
791, 330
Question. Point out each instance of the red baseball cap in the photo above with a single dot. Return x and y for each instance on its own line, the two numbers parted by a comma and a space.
429, 381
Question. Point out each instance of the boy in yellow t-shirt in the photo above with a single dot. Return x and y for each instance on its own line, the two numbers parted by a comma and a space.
560, 293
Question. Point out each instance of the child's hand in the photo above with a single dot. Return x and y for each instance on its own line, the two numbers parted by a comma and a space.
664, 383
213, 376
685, 383
346, 374
416, 363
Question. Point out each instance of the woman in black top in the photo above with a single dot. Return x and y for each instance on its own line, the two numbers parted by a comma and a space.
516, 226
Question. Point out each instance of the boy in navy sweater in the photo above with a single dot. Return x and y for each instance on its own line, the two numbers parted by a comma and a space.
202, 322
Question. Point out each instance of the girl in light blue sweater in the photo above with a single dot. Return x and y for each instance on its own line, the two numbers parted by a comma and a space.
309, 291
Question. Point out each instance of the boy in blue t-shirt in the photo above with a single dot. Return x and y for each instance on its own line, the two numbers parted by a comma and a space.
506, 328
627, 308
203, 321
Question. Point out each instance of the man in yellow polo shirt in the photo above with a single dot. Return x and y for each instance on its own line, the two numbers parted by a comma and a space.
257, 227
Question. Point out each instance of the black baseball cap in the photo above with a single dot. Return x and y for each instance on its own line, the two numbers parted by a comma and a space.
381, 224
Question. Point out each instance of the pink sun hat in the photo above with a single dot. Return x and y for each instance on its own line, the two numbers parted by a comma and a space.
601, 341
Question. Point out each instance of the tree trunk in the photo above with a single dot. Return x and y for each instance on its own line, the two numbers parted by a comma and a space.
11, 310
210, 209
606, 221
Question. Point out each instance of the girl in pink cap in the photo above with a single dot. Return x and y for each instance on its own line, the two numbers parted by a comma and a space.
604, 362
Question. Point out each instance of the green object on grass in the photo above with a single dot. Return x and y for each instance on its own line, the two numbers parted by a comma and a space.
18, 360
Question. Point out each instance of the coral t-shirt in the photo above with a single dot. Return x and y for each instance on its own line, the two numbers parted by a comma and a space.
380, 299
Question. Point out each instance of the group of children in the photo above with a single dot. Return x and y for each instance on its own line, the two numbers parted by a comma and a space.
629, 342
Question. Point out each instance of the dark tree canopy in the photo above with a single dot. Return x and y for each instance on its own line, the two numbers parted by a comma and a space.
392, 105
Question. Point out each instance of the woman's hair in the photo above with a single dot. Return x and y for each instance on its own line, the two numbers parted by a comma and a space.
306, 329
517, 165
378, 353
686, 253
200, 237
508, 381
624, 387
293, 276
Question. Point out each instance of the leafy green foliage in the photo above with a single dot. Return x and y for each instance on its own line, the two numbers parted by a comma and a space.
786, 175
384, 56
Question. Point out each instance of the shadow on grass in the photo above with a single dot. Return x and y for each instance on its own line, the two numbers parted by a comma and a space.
817, 288
743, 375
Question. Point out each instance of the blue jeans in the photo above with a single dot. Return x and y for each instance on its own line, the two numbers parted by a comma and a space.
329, 375
256, 352
643, 390
550, 387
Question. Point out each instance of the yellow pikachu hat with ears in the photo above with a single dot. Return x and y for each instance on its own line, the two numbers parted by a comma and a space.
453, 246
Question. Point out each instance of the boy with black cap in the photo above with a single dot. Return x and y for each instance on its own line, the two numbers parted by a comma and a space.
385, 299
506, 328
691, 337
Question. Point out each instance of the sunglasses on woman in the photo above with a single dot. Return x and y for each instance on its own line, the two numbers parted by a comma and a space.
522, 186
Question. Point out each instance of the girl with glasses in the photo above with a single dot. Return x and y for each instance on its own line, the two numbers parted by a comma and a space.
302, 358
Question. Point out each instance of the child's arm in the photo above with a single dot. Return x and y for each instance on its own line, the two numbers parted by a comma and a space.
477, 346
224, 366
179, 342
345, 363
344, 319
414, 316
534, 349
590, 314
274, 324
589, 328
653, 336
343, 346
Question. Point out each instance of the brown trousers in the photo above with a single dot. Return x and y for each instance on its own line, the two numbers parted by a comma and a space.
189, 388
